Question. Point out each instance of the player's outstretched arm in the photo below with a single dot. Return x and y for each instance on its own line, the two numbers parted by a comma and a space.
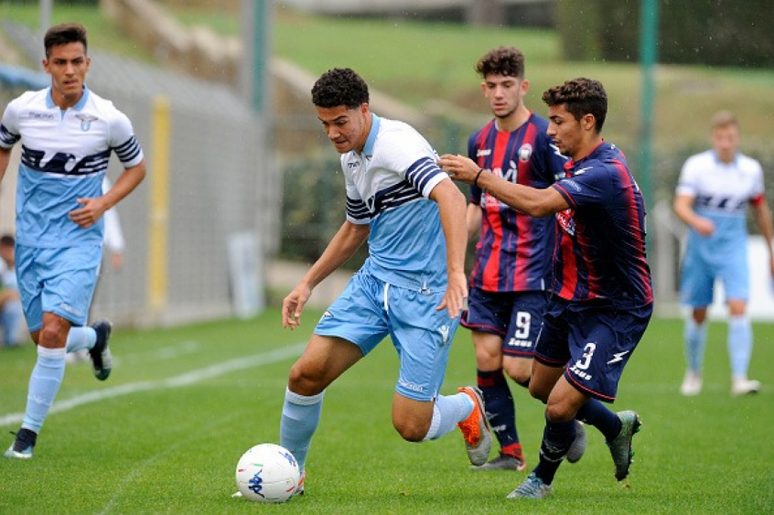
532, 201
342, 246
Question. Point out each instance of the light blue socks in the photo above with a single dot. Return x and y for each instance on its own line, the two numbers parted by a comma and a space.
448, 411
740, 343
80, 338
44, 384
695, 341
300, 418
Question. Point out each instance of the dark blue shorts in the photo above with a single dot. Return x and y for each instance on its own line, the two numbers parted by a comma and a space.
593, 340
514, 316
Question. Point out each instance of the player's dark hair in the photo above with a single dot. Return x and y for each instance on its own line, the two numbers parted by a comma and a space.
340, 87
6, 240
580, 96
63, 34
504, 60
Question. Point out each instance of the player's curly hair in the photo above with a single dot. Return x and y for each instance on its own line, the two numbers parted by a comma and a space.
504, 60
340, 86
63, 34
580, 96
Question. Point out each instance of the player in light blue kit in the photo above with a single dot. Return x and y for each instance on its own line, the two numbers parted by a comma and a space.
411, 288
67, 134
713, 192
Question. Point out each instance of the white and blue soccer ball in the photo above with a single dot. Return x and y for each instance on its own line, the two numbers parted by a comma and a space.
267, 473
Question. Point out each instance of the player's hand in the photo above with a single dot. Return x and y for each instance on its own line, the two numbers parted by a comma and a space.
293, 305
704, 227
459, 168
87, 215
456, 294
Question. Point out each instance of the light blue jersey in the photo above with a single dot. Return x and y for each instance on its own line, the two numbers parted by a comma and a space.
65, 154
722, 192
387, 186
404, 280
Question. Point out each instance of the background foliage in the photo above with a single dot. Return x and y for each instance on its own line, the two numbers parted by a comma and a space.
717, 32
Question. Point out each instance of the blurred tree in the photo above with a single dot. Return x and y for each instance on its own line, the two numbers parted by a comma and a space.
716, 32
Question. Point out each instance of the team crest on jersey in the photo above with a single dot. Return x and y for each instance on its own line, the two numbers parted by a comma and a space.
86, 120
525, 152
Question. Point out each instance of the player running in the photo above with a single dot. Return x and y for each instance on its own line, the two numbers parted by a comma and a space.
603, 298
511, 279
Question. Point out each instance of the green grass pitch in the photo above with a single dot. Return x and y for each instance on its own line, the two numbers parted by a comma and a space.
164, 433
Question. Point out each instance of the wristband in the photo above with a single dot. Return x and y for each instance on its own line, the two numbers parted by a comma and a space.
475, 181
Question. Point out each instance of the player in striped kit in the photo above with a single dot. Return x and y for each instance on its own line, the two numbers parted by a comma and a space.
67, 134
412, 286
602, 296
713, 192
511, 278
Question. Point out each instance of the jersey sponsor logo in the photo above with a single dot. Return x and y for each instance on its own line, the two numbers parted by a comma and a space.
67, 307
86, 120
515, 342
566, 221
411, 386
525, 152
483, 152
580, 373
512, 173
574, 185
38, 115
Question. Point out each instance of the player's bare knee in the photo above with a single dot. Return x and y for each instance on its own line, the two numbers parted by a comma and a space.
558, 412
50, 337
538, 392
303, 381
411, 430
519, 374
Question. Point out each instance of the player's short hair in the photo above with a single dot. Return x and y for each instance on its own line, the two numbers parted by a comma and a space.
723, 119
504, 60
340, 87
63, 34
580, 96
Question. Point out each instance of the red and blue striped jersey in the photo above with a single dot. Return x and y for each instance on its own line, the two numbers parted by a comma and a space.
600, 239
514, 250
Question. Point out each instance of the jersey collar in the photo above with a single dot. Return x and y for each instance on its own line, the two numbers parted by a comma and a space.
368, 149
719, 162
78, 105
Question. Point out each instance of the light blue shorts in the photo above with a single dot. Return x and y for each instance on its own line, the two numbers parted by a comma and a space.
698, 274
59, 281
369, 310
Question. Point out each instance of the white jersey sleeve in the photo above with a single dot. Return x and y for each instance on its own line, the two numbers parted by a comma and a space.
122, 140
406, 151
9, 127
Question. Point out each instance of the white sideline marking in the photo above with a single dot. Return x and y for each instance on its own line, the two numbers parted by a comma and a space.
188, 378
163, 353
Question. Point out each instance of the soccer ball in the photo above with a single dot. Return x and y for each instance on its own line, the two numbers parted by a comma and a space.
267, 473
